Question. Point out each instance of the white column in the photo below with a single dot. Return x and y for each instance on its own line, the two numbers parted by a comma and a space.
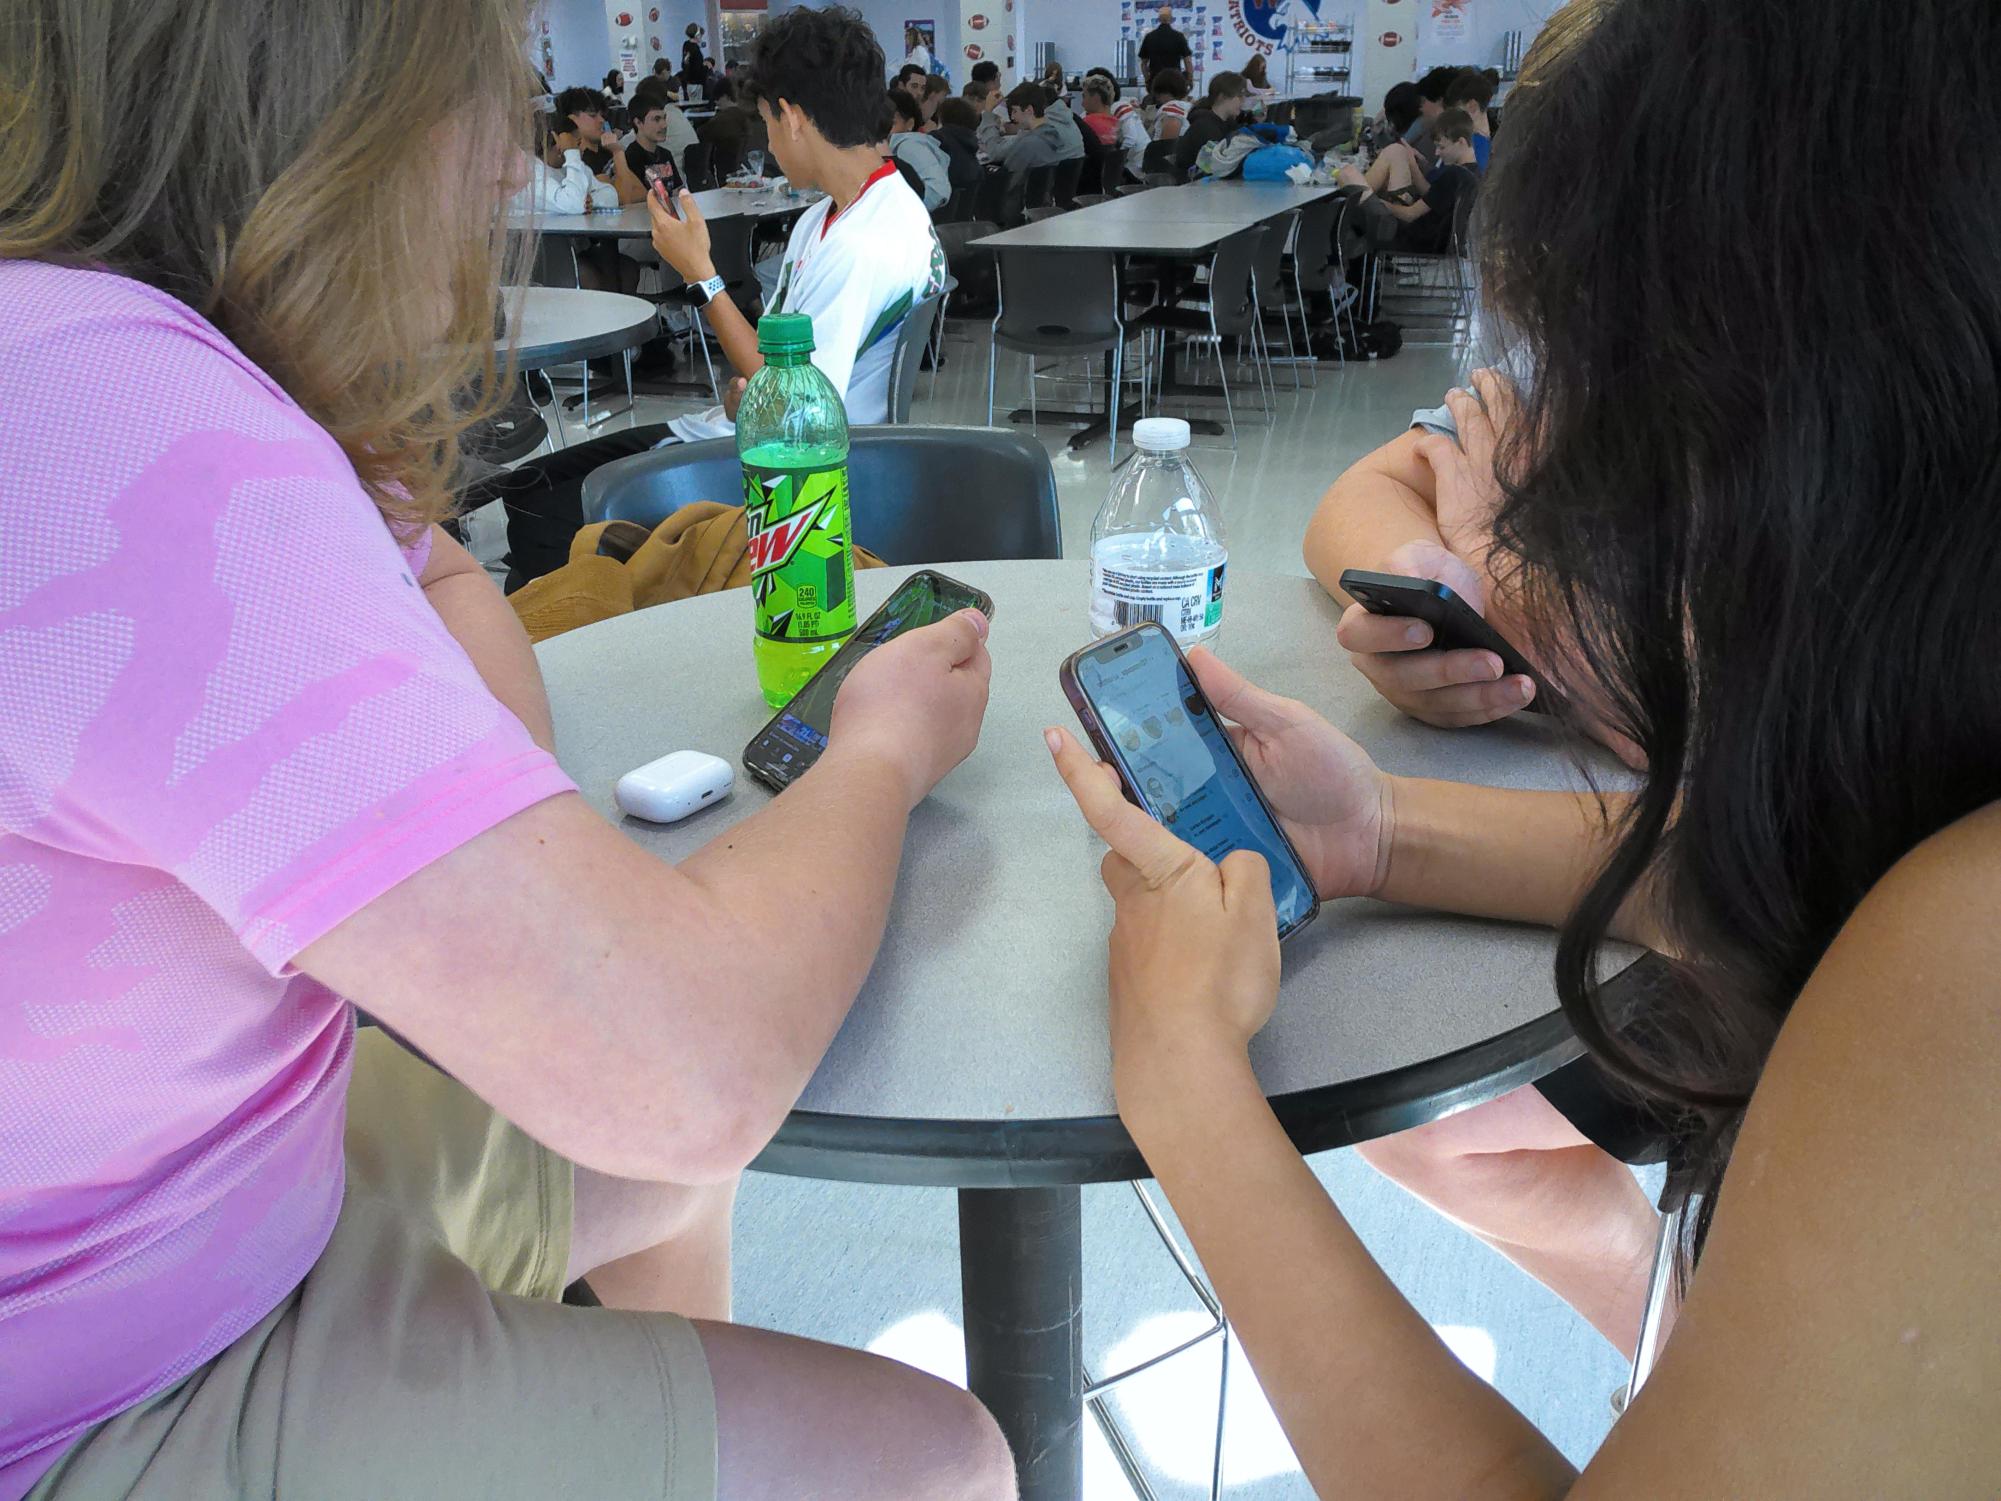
987, 30
1385, 49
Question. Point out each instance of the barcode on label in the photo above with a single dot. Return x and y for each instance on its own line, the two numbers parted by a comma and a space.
1132, 612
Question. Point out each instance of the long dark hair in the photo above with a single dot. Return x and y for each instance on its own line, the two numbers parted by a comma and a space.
1756, 480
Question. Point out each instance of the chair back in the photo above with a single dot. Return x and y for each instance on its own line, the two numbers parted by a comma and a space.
990, 197
1068, 175
1111, 171
1270, 258
911, 341
698, 165
958, 208
1230, 280
1316, 250
1039, 189
1462, 215
729, 248
909, 174
1057, 300
1159, 157
1000, 501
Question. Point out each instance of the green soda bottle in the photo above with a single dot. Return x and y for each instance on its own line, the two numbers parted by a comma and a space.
792, 435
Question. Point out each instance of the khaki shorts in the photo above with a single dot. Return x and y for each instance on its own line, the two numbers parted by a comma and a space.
426, 1354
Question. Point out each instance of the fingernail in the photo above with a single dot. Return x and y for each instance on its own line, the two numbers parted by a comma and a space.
1053, 740
1417, 635
1525, 690
980, 622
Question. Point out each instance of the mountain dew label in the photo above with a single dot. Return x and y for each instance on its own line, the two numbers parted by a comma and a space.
802, 559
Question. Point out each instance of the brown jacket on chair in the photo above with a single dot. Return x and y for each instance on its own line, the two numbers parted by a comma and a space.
700, 549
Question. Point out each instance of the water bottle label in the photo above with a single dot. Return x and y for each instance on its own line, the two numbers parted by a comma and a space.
1188, 602
802, 563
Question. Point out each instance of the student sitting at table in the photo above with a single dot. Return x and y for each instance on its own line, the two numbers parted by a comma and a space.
984, 94
581, 111
1098, 118
1430, 105
672, 136
1256, 79
1169, 92
1814, 849
1056, 110
908, 143
565, 189
273, 747
1426, 213
732, 130
856, 262
1472, 90
958, 132
1396, 159
1211, 120
936, 89
1033, 139
1133, 134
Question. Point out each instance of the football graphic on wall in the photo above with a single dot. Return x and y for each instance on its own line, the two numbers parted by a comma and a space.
653, 14
977, 21
1391, 39
625, 18
974, 52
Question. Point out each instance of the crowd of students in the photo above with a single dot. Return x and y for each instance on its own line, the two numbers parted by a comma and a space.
273, 747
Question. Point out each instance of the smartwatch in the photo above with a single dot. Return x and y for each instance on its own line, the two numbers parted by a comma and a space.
708, 291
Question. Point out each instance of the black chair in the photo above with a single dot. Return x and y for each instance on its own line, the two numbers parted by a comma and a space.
1159, 158
909, 174
1039, 187
998, 200
911, 342
1111, 171
698, 166
1068, 175
1063, 305
1000, 501
1222, 309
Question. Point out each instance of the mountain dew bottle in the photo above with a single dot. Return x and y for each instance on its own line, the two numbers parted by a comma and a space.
792, 435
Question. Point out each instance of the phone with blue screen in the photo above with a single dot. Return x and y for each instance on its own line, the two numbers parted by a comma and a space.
784, 750
1143, 710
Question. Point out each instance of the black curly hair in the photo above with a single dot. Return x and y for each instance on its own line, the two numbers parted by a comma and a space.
829, 64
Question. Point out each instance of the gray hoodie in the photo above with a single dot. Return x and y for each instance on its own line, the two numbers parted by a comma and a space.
1043, 146
934, 167
1059, 115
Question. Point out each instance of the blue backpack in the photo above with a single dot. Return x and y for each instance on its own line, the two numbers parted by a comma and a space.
1269, 163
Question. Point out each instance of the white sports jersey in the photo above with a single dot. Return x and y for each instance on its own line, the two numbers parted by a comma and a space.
856, 274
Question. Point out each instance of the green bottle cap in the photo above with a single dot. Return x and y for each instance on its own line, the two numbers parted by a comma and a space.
785, 333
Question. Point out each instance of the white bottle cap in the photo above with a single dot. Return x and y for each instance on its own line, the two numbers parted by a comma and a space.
1160, 432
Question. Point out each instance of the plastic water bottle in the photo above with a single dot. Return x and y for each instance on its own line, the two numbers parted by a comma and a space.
792, 437
1157, 547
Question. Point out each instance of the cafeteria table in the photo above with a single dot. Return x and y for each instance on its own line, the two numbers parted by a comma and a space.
571, 326
633, 222
1174, 223
976, 1056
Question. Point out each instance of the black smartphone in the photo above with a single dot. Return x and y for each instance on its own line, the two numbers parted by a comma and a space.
1455, 625
663, 179
785, 749
1140, 705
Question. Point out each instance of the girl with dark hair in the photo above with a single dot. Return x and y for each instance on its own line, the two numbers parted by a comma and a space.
1767, 563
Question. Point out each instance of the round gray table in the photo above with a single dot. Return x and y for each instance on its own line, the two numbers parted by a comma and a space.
976, 1056
566, 325
633, 222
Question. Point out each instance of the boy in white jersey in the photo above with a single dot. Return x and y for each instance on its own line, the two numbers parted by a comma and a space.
856, 263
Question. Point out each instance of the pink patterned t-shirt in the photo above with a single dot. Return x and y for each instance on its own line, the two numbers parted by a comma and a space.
229, 719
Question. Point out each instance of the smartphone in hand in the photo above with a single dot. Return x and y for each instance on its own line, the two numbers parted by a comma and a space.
1148, 718
664, 182
1455, 625
785, 749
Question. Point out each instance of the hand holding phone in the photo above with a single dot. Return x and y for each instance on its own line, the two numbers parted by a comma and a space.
1194, 960
1145, 712
1417, 633
664, 183
921, 707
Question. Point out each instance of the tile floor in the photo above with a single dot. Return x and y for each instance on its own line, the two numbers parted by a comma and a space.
878, 1267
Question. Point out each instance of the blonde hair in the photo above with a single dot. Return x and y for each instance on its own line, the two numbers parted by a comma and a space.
261, 171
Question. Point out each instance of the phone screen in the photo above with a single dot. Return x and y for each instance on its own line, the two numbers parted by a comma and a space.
792, 742
1166, 741
664, 182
